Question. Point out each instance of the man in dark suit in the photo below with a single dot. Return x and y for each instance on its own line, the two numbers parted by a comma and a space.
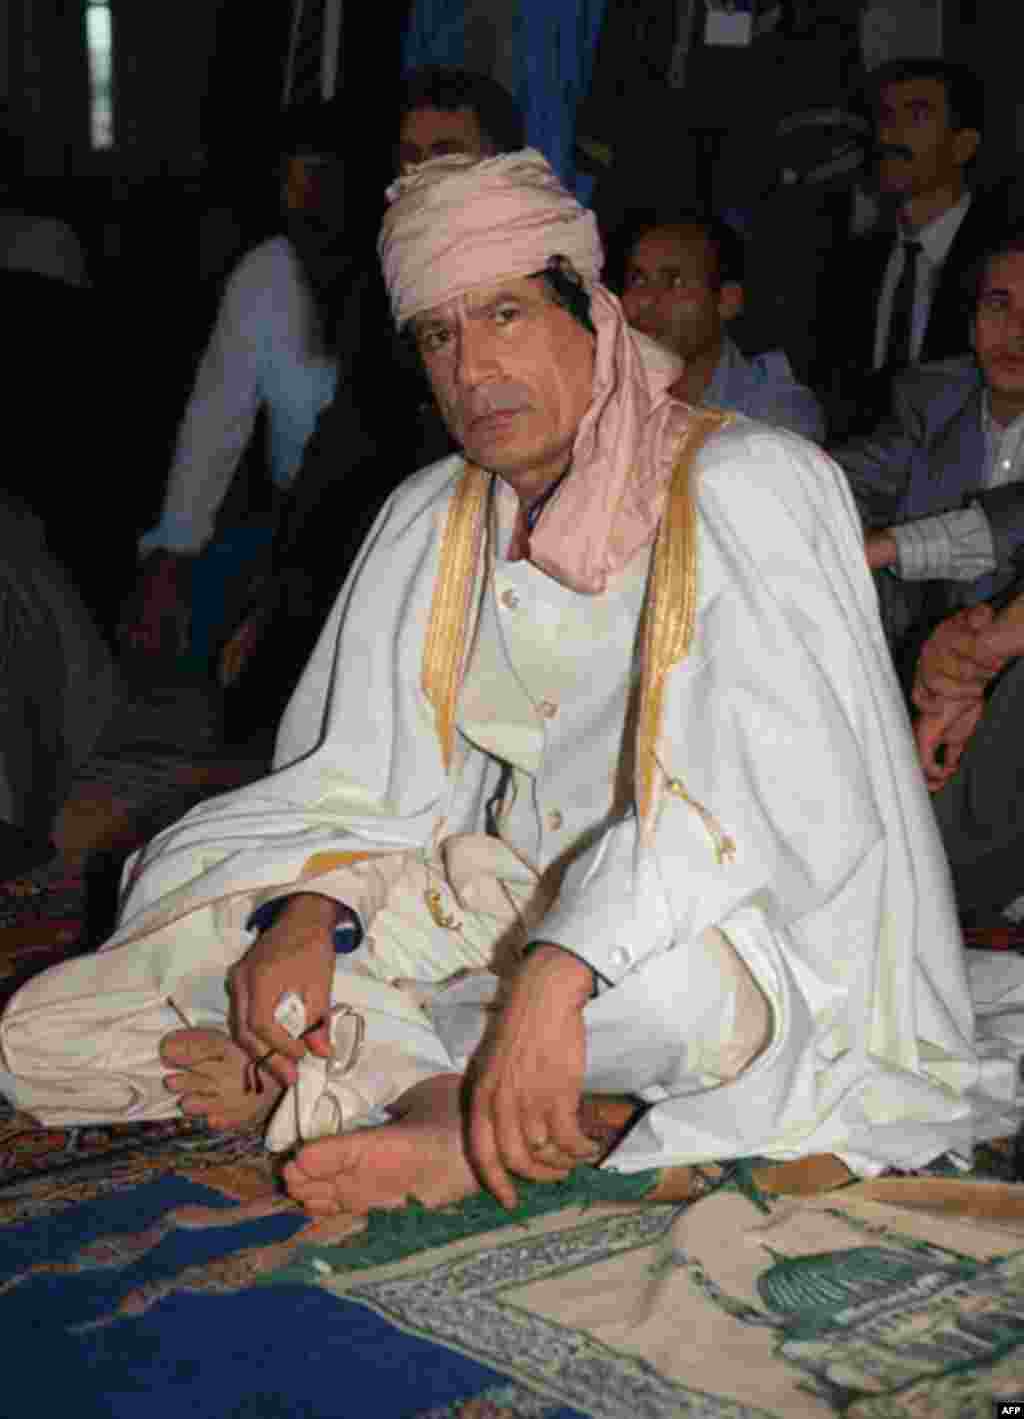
940, 485
892, 297
940, 481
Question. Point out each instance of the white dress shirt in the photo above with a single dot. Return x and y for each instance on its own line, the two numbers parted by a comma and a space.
261, 353
936, 238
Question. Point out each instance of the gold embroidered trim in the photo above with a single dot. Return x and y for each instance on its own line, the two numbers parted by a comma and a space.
448, 628
725, 846
670, 607
667, 624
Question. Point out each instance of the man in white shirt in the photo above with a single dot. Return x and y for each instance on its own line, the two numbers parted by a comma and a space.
603, 717
272, 350
683, 286
362, 445
269, 348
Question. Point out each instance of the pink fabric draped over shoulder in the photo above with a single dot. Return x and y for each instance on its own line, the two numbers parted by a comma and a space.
456, 223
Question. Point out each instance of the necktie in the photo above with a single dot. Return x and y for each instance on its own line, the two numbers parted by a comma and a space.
902, 317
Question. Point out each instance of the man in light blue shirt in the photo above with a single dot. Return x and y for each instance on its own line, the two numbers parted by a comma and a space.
683, 285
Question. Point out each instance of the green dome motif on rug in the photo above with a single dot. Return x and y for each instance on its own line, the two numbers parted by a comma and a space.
809, 1290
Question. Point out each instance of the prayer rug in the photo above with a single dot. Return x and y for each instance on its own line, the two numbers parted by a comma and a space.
176, 1280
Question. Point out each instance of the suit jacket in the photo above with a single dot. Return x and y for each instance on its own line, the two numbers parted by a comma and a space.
855, 395
929, 456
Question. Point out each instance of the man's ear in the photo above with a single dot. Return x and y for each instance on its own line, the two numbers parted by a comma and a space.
966, 142
730, 300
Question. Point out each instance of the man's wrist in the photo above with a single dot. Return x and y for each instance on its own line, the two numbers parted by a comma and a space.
882, 549
573, 967
312, 910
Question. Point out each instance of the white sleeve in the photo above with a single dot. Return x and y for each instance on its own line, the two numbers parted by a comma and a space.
219, 417
953, 546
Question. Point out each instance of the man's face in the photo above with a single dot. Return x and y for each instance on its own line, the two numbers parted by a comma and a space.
513, 375
670, 291
920, 151
435, 133
998, 327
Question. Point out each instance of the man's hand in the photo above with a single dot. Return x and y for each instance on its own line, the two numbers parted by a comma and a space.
155, 617
957, 661
881, 550
527, 1078
295, 954
949, 729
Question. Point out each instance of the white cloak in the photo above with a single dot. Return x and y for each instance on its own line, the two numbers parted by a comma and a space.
786, 731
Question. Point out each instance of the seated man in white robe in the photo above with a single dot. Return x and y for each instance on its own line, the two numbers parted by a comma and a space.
599, 782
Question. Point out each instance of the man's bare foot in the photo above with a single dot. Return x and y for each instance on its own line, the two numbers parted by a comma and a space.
420, 1155
213, 1078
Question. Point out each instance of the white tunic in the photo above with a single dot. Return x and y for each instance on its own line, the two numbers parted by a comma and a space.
785, 729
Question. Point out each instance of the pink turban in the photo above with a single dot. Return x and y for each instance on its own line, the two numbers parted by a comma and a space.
456, 223
459, 222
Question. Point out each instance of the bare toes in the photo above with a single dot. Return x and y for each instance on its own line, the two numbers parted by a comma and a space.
324, 1159
185, 1049
180, 1083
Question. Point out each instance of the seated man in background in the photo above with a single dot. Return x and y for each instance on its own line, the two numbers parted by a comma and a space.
603, 716
683, 285
939, 482
272, 348
363, 443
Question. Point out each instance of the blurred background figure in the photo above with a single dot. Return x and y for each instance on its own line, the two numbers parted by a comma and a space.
271, 356
381, 425
683, 287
